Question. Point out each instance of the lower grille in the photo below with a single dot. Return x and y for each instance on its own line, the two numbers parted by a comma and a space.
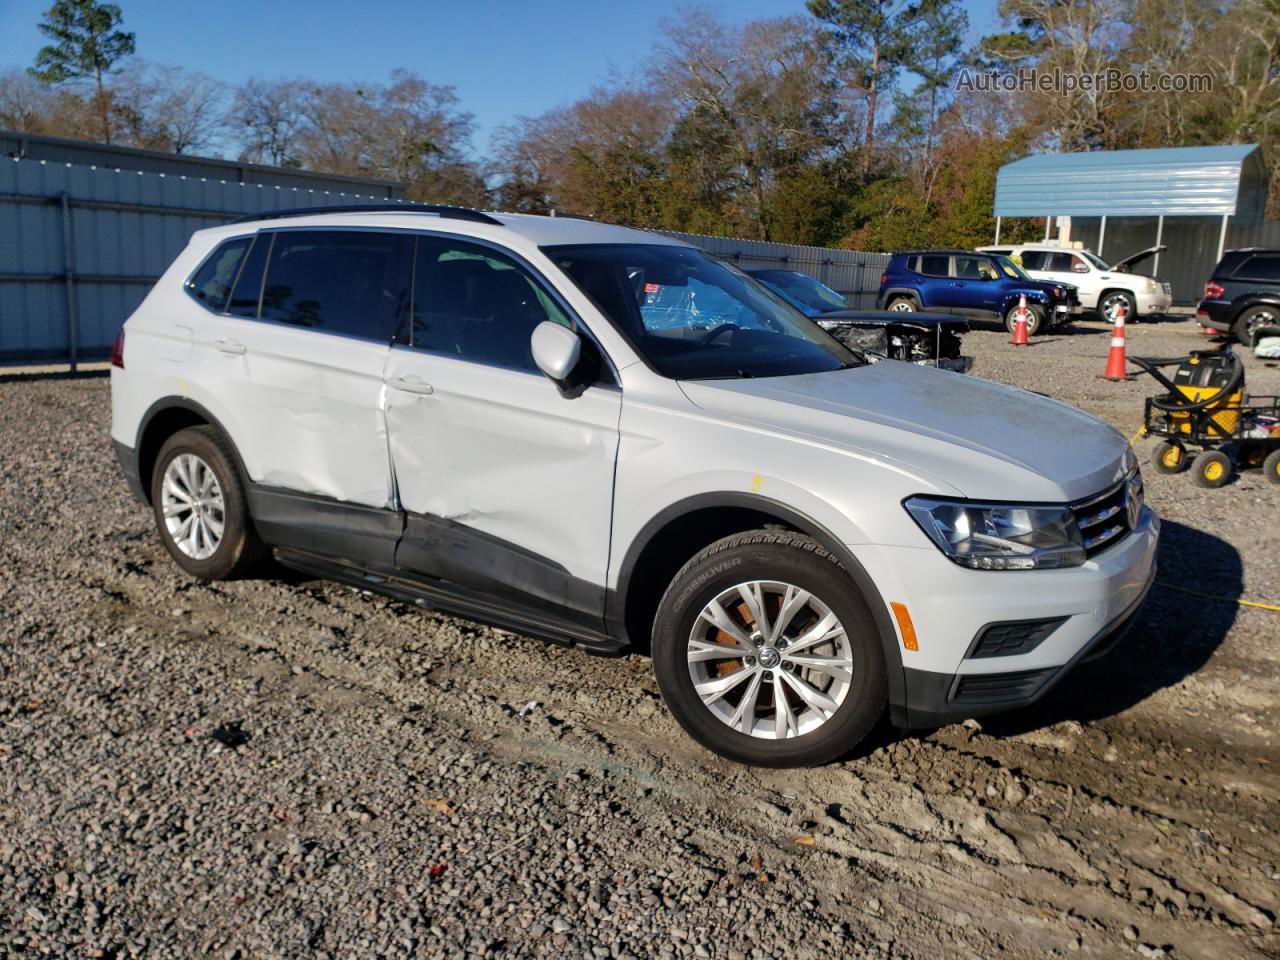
1013, 637
996, 687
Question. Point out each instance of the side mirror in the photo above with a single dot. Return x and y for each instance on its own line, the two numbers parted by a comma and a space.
556, 350
1080, 268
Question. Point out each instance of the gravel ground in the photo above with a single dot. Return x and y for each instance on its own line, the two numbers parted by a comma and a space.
283, 767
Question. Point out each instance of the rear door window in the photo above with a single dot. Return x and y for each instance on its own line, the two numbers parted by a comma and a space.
934, 265
1034, 260
211, 284
348, 282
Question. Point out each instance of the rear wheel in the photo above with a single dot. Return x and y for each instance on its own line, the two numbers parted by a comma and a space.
1271, 466
1212, 468
1253, 320
766, 653
200, 507
902, 305
1035, 319
1171, 458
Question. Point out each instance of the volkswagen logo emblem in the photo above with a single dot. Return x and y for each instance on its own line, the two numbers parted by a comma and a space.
1133, 501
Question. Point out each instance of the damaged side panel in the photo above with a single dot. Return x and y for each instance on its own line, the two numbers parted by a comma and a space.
310, 408
487, 456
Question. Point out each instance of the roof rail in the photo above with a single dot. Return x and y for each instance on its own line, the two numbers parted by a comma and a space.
434, 209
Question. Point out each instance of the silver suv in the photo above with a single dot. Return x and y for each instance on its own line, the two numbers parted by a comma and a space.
603, 437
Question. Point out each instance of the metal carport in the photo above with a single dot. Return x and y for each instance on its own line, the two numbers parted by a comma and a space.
1118, 201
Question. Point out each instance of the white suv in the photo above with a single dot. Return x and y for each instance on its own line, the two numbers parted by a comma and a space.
605, 437
1100, 287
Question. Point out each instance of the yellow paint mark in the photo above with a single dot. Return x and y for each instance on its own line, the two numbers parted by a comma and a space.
756, 483
182, 386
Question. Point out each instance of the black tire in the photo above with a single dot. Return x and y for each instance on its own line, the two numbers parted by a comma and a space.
1035, 319
1271, 466
1170, 458
1212, 469
895, 304
1111, 299
240, 551
1252, 318
790, 558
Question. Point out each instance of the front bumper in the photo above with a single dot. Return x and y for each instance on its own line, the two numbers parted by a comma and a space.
1153, 304
950, 606
1063, 312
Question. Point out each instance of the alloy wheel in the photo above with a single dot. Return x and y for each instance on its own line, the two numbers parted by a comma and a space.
193, 506
770, 660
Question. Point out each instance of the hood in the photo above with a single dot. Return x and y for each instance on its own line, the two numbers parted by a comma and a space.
1047, 286
967, 436
884, 318
1128, 263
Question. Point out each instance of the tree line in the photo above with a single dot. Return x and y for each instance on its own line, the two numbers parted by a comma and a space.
840, 126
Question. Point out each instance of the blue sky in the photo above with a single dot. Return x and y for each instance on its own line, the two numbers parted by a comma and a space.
505, 57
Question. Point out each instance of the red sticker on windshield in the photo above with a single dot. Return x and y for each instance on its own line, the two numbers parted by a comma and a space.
652, 287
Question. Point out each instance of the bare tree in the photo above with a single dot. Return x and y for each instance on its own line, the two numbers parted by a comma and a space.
267, 117
767, 86
168, 108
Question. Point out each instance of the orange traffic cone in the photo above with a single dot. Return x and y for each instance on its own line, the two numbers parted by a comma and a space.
1020, 324
1116, 369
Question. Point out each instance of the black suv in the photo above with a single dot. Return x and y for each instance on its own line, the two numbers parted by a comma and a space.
1244, 294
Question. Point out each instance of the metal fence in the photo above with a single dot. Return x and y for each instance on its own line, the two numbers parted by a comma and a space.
81, 245
851, 272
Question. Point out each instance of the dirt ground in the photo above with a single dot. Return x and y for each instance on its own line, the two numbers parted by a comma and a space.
282, 767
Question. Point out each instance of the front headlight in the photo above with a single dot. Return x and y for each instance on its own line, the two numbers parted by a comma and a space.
992, 536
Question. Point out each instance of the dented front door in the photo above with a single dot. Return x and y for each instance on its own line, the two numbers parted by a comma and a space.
507, 485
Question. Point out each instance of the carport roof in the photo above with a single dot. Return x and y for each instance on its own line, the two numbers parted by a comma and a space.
1168, 181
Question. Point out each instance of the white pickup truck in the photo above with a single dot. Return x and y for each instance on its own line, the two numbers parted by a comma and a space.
1100, 287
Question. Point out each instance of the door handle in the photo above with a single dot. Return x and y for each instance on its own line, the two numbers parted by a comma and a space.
227, 345
412, 384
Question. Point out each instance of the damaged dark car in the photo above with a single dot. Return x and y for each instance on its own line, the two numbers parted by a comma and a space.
930, 339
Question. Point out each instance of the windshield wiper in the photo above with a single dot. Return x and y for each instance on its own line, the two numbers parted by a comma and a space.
736, 375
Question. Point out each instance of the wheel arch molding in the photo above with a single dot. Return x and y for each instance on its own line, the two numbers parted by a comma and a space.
627, 607
166, 417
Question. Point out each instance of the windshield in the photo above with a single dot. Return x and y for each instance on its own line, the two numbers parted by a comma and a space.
1011, 268
693, 317
805, 290
1096, 261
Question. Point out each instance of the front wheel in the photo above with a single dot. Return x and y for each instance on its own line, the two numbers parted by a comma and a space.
1111, 303
1035, 319
200, 507
766, 653
1171, 458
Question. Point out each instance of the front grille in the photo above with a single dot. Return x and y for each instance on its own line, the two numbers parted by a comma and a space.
997, 687
1104, 519
1013, 637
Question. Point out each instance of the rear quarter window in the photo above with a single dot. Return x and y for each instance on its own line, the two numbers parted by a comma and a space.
1260, 268
211, 284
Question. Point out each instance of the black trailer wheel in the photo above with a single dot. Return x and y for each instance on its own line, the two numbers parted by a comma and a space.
1212, 468
1171, 458
1271, 466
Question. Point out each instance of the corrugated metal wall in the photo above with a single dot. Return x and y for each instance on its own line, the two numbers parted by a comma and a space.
80, 246
852, 272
